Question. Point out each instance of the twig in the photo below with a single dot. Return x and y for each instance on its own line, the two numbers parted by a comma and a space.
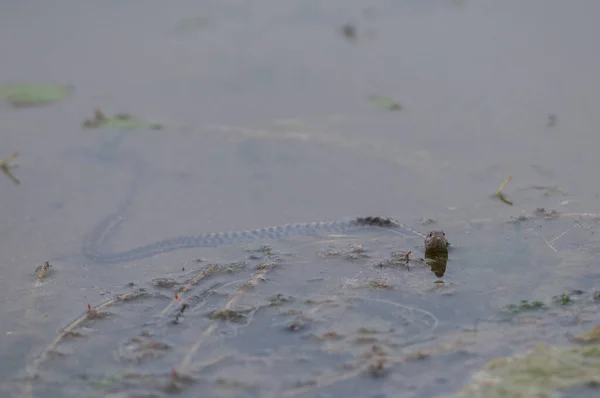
184, 366
210, 270
499, 193
89, 314
6, 168
504, 184
381, 359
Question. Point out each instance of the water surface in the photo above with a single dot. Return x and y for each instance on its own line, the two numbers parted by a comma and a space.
268, 122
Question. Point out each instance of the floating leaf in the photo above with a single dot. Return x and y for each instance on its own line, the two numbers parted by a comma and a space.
118, 122
32, 94
385, 102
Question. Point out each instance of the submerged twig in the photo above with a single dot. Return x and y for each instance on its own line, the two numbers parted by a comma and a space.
210, 270
91, 313
184, 366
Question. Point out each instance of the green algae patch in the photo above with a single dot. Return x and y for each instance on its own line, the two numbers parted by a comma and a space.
121, 121
33, 94
540, 373
525, 306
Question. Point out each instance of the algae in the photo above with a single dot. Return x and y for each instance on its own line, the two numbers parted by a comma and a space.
542, 372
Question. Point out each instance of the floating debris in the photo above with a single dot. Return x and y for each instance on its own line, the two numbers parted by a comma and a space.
279, 299
164, 283
42, 271
94, 313
386, 103
121, 121
228, 314
379, 284
563, 299
525, 305
397, 258
297, 324
33, 94
354, 252
331, 335
182, 307
266, 266
349, 31
542, 212
400, 256
141, 347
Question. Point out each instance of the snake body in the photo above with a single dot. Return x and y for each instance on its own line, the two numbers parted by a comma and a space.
93, 253
98, 239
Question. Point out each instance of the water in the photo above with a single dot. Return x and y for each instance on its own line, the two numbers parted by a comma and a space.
268, 122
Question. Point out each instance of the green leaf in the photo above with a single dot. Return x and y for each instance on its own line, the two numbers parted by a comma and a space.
386, 103
33, 94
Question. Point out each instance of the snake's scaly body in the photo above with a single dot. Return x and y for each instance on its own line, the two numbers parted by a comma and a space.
100, 236
91, 251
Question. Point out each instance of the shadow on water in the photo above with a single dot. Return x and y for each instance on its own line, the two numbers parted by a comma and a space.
437, 262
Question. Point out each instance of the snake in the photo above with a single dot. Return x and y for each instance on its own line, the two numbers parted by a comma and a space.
434, 240
101, 234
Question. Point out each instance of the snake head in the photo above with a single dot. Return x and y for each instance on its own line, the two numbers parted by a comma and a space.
436, 240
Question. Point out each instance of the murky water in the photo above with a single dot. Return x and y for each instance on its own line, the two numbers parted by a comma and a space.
268, 121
